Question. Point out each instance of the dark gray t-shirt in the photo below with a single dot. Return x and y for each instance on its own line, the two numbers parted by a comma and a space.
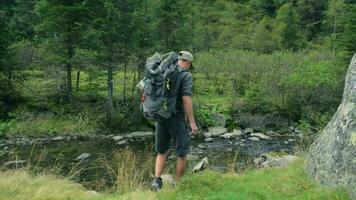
185, 88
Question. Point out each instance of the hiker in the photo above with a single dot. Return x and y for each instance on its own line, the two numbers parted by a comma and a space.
177, 126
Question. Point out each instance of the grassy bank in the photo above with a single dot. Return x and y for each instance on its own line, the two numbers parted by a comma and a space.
276, 183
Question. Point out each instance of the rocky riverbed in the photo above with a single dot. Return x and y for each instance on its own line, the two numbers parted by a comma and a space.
84, 156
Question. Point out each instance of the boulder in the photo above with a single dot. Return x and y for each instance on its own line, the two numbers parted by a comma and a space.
331, 158
203, 164
217, 131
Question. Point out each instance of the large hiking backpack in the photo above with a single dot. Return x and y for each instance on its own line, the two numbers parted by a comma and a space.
161, 86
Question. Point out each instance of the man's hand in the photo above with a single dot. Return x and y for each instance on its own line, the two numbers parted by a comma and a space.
194, 128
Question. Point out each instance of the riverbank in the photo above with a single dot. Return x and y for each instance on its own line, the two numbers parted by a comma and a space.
289, 182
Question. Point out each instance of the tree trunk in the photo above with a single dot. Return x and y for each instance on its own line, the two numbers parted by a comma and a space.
77, 84
125, 71
69, 70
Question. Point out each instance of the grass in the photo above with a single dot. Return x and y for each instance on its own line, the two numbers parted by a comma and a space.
290, 182
20, 185
50, 125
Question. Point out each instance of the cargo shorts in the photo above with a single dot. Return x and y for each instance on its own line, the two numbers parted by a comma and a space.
175, 128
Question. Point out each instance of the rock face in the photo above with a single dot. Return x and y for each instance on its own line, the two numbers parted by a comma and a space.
332, 157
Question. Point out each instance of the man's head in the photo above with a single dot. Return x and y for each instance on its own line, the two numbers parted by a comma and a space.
185, 59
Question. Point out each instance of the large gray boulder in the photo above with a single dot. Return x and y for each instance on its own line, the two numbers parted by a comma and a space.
332, 157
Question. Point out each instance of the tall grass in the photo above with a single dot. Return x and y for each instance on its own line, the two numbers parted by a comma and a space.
129, 171
20, 185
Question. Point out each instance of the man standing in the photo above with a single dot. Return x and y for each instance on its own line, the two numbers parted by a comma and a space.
176, 127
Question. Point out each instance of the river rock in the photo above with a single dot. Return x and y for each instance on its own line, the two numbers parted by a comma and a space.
203, 164
260, 135
207, 134
234, 134
248, 130
298, 131
208, 139
254, 139
118, 137
59, 138
331, 159
82, 156
201, 146
217, 131
274, 161
122, 142
139, 134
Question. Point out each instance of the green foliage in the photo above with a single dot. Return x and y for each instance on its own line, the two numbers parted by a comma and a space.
203, 116
5, 126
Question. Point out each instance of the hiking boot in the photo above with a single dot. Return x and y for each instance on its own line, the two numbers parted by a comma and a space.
156, 184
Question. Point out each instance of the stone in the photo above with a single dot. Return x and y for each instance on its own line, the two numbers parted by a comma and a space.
59, 138
208, 139
139, 134
248, 130
274, 161
118, 137
217, 131
207, 134
203, 164
298, 131
201, 146
82, 156
229, 135
291, 128
122, 142
331, 158
291, 140
260, 136
254, 139
270, 133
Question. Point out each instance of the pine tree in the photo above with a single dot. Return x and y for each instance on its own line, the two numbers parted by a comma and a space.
311, 14
61, 23
287, 27
173, 25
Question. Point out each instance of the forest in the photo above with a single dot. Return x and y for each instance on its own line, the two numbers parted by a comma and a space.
268, 76
71, 66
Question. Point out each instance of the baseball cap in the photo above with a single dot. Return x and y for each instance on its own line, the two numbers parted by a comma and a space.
186, 55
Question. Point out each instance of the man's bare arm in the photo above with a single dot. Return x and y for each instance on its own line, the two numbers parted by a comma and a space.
188, 108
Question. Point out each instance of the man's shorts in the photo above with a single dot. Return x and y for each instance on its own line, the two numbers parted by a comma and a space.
175, 128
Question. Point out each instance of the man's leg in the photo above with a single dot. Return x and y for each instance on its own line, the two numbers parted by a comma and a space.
180, 168
160, 161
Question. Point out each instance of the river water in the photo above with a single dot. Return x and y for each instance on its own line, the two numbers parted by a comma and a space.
94, 171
